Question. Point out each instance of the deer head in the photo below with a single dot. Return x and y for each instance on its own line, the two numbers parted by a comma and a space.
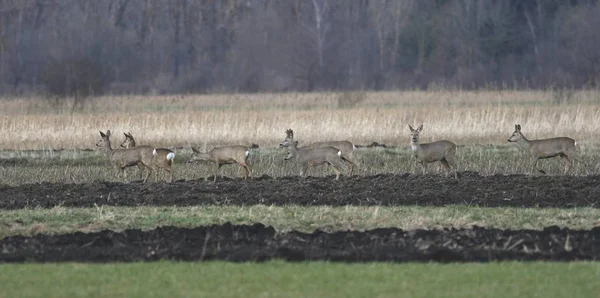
105, 139
414, 133
516, 135
129, 141
289, 138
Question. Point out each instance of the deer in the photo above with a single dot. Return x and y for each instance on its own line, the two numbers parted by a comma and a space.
443, 151
346, 147
563, 147
310, 157
124, 158
163, 158
224, 155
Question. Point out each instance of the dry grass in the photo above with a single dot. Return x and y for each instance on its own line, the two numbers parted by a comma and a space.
179, 121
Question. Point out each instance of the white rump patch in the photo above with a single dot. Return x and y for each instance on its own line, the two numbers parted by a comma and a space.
154, 152
575, 143
339, 153
247, 152
170, 156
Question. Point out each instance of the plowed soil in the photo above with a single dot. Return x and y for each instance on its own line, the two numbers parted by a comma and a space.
259, 243
472, 189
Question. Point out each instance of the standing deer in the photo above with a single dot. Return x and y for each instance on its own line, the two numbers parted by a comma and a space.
442, 151
346, 147
224, 155
564, 147
309, 157
123, 158
163, 158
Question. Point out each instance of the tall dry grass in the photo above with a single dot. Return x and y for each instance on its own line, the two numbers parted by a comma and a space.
207, 120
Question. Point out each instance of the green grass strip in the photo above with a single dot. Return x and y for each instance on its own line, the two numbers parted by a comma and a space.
314, 279
285, 218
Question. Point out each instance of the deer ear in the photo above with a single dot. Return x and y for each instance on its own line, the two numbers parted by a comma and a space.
519, 127
108, 133
420, 128
411, 128
102, 134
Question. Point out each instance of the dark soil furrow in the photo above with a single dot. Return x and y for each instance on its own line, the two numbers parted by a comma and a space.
259, 243
386, 190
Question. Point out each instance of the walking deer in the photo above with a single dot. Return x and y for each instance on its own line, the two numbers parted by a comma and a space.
346, 147
443, 151
565, 148
310, 157
224, 155
163, 158
123, 158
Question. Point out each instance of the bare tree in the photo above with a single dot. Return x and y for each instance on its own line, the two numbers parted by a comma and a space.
389, 18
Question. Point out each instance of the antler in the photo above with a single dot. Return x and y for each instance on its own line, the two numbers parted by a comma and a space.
289, 133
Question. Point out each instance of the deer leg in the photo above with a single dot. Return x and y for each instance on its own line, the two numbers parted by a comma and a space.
245, 172
349, 159
157, 168
535, 162
352, 166
304, 170
338, 168
170, 172
567, 161
217, 170
578, 159
141, 170
452, 163
446, 166
121, 172
148, 172
248, 172
424, 167
337, 173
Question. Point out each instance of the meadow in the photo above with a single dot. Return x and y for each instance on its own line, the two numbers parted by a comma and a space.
48, 140
467, 118
45, 140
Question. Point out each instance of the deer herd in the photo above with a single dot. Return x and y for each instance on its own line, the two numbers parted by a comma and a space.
333, 153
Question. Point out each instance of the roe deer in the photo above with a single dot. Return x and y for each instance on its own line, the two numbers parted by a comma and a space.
346, 147
163, 158
564, 147
224, 155
309, 157
442, 151
123, 158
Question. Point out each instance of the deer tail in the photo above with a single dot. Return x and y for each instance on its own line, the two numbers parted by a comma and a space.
171, 156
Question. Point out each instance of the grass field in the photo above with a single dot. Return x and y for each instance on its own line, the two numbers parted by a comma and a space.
315, 279
479, 122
